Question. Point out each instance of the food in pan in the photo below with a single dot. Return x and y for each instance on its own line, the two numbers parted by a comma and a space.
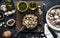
54, 17
22, 6
7, 34
10, 22
32, 6
29, 20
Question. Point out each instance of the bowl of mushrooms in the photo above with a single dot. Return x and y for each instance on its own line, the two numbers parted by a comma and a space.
53, 17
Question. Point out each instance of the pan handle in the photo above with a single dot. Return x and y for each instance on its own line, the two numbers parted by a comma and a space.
22, 28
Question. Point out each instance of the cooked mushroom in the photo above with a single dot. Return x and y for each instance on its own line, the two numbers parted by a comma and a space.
29, 20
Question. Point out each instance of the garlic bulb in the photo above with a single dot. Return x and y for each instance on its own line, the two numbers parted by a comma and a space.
10, 12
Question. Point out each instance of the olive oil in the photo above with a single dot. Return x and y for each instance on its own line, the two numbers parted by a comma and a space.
22, 6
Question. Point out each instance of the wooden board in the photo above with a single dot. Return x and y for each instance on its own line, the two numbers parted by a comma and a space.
18, 18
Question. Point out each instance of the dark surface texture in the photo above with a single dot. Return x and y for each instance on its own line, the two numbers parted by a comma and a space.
47, 6
3, 28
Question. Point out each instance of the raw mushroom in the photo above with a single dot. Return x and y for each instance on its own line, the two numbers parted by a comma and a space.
53, 11
10, 22
56, 16
3, 7
57, 10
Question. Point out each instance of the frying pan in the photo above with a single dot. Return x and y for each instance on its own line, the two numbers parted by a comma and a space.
23, 26
26, 14
47, 20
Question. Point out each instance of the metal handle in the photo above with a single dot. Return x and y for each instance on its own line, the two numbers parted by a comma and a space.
19, 31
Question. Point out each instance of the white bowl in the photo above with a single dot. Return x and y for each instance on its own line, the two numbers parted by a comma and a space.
49, 24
